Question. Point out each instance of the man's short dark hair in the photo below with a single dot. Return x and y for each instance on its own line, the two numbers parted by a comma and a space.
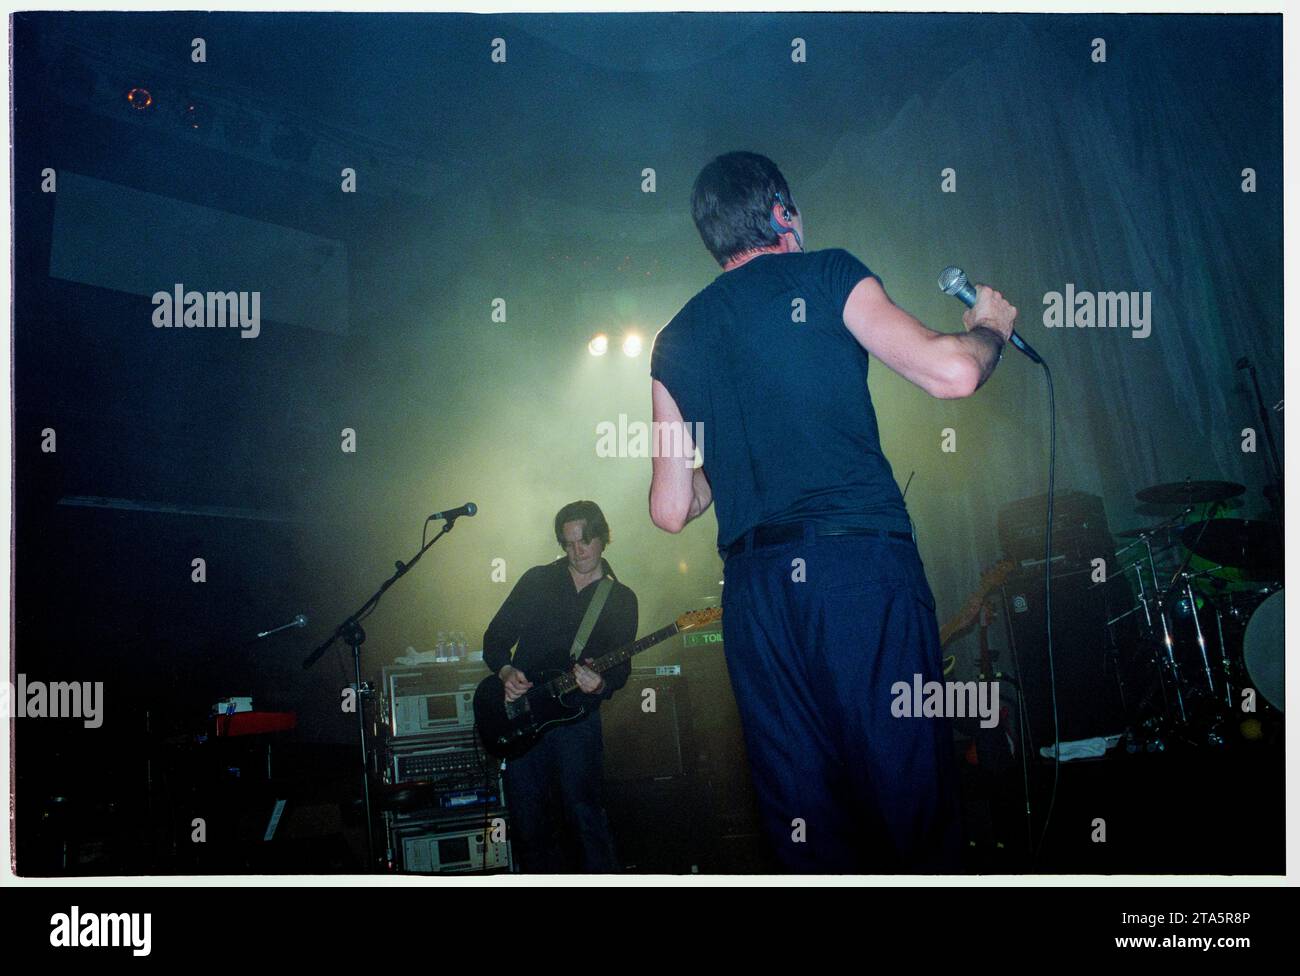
589, 513
732, 203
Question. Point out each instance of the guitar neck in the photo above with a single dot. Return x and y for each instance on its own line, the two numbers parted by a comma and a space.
567, 682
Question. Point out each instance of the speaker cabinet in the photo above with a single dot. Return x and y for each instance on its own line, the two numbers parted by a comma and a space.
1087, 691
652, 793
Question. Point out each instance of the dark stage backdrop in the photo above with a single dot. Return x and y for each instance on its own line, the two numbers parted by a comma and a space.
524, 181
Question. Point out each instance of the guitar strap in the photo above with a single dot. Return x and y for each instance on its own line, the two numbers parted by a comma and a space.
596, 605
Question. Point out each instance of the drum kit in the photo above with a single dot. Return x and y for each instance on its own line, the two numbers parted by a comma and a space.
1201, 645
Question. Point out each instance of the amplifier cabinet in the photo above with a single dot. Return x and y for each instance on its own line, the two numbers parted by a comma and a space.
1087, 684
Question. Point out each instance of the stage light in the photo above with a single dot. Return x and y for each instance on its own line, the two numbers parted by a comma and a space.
139, 99
196, 115
599, 344
632, 345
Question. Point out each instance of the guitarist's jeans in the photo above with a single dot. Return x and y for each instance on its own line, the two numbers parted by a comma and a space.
554, 795
843, 784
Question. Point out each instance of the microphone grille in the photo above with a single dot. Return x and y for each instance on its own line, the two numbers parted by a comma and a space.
952, 280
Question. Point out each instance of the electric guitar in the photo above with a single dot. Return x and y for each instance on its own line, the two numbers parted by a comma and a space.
990, 580
509, 729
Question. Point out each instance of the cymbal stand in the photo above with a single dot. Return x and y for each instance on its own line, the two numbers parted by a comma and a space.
1169, 663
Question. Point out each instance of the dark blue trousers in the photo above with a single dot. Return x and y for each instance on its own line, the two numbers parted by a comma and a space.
816, 632
555, 798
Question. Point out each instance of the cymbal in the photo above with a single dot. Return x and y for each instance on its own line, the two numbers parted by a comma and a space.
1190, 492
1253, 546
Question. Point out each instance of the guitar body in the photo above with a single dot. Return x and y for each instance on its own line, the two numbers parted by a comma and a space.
510, 729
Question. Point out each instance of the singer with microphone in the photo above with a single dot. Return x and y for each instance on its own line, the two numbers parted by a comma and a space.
825, 604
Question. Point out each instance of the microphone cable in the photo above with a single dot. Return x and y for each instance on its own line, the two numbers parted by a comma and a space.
1047, 606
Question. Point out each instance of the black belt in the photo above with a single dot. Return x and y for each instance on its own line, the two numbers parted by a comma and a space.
778, 535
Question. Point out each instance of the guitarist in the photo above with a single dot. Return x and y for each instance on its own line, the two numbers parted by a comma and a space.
554, 791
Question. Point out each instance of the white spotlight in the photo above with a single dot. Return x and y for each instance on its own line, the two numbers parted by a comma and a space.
632, 345
599, 344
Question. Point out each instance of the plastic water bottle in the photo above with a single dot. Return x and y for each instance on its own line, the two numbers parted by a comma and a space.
441, 649
462, 647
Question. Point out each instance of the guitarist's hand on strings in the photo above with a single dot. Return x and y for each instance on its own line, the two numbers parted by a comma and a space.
588, 680
516, 682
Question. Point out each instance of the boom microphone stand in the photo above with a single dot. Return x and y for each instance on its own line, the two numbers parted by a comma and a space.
351, 633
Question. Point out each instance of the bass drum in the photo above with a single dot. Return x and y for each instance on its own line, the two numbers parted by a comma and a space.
1263, 648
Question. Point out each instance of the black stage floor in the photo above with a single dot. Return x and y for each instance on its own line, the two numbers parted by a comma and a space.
1185, 811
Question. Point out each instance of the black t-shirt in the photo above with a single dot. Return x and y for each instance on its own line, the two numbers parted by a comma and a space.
789, 432
542, 615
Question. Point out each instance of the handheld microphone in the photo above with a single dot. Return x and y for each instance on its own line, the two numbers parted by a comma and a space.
298, 621
953, 281
469, 508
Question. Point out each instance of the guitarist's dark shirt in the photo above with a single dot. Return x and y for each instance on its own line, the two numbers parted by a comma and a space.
542, 615
789, 431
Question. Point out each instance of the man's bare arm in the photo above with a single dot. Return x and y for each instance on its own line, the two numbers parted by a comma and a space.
945, 365
679, 491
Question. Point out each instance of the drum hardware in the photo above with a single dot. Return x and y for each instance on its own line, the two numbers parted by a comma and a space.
1194, 613
1171, 663
1166, 535
1147, 736
1181, 582
1197, 588
1167, 530
1149, 597
1225, 665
